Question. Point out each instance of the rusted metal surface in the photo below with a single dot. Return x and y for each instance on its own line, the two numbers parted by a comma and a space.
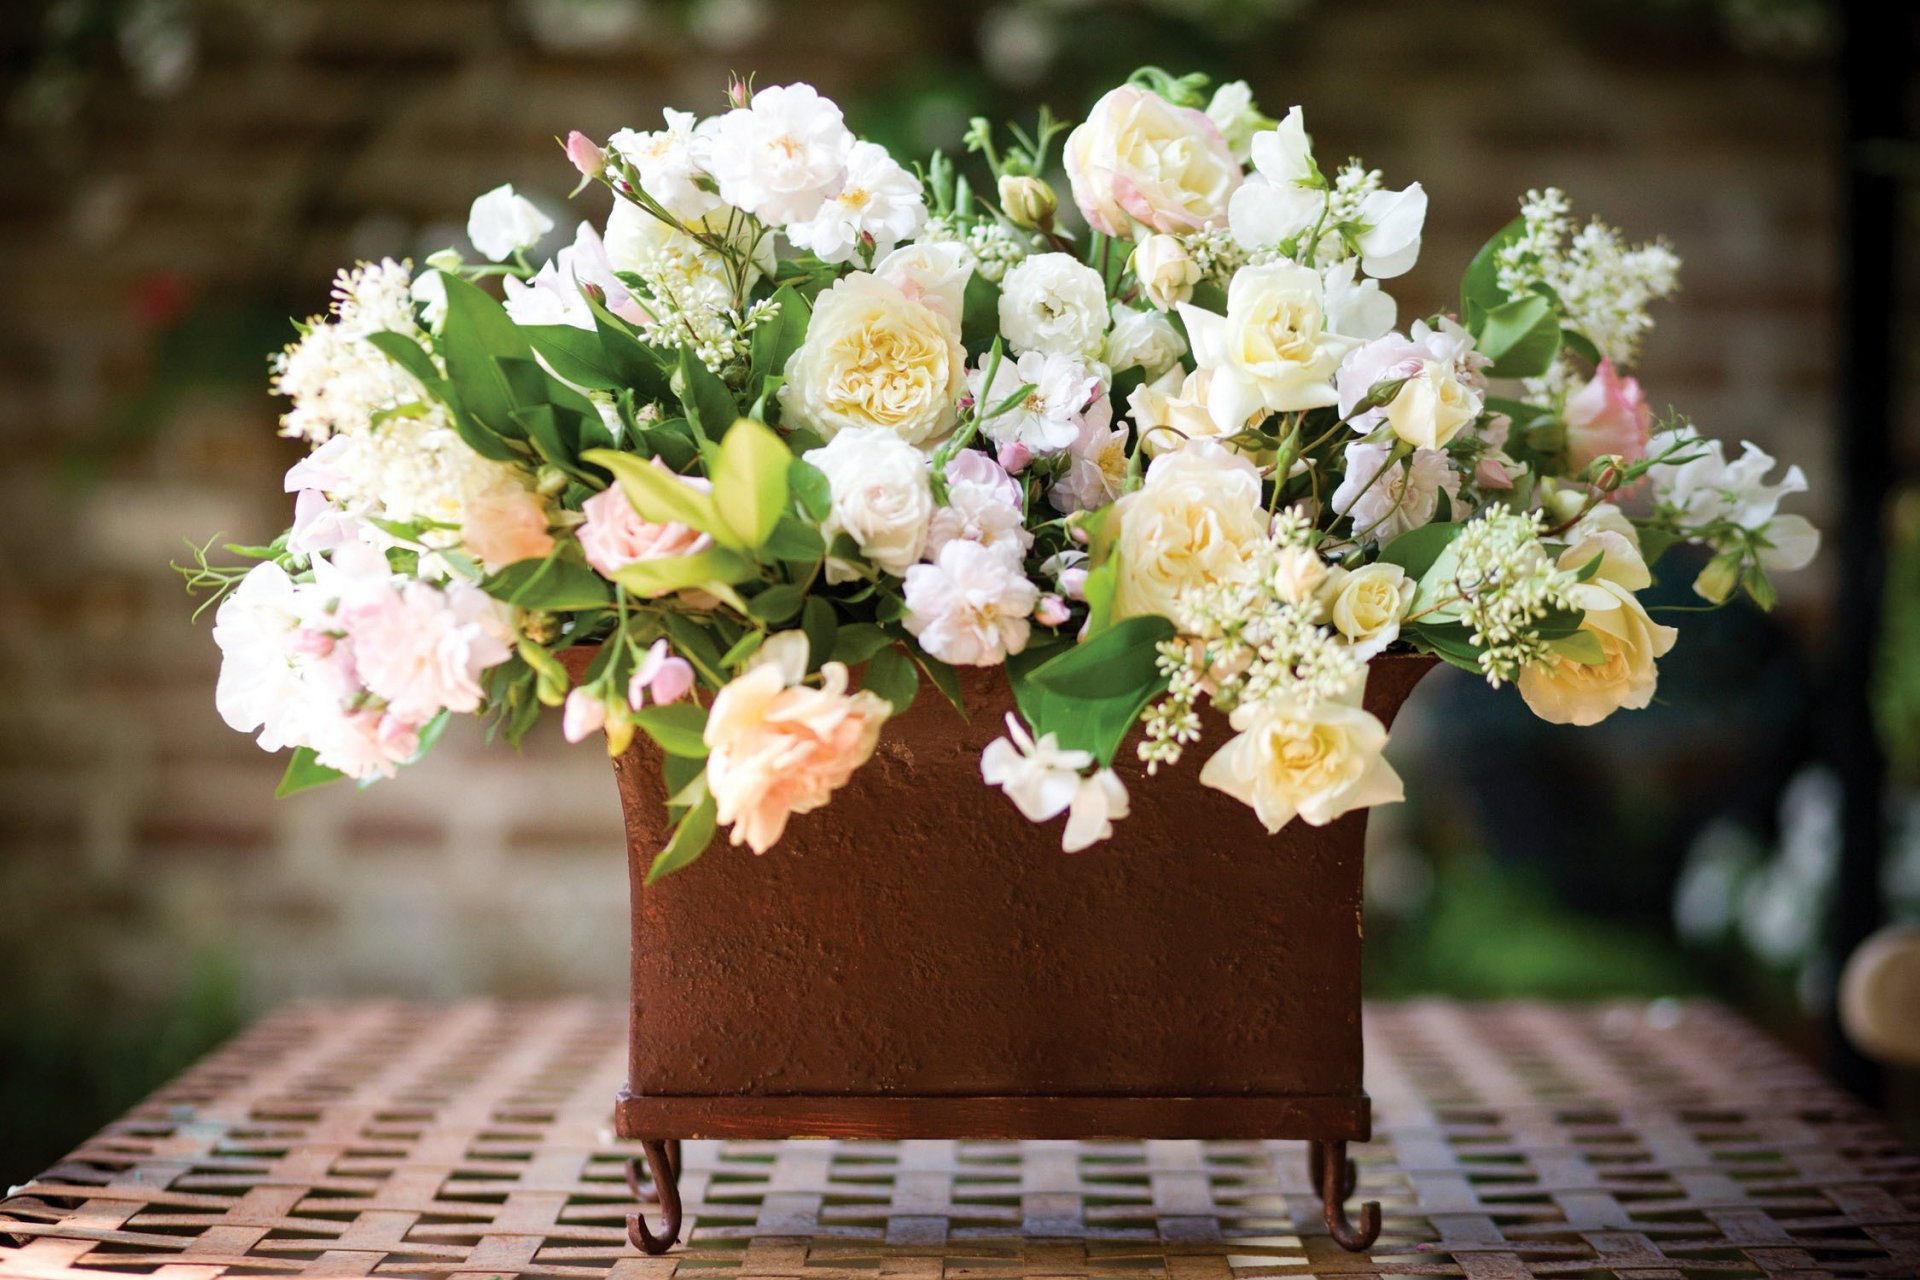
919, 960
1512, 1141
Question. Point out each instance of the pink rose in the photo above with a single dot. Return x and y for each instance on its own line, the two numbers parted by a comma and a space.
1140, 159
506, 524
779, 747
615, 536
1608, 415
423, 648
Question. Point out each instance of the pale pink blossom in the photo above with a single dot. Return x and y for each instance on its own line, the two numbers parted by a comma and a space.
983, 506
585, 155
614, 536
1609, 415
582, 716
1016, 457
778, 748
665, 674
1406, 496
1051, 612
1096, 463
970, 607
1139, 158
424, 649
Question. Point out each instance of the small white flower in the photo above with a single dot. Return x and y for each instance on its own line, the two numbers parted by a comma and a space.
1049, 418
1357, 307
880, 201
1385, 506
1233, 113
1097, 801
1710, 488
1144, 338
667, 163
1272, 206
1044, 780
782, 157
971, 606
553, 296
881, 498
1391, 243
501, 223
1056, 303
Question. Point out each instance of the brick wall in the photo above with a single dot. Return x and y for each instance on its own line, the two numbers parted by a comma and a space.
140, 833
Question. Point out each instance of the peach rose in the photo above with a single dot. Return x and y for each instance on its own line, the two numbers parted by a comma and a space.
615, 536
1608, 415
506, 524
779, 747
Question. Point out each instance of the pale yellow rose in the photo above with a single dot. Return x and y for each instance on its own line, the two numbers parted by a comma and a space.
1138, 158
1433, 406
1197, 520
1313, 762
779, 748
1172, 409
875, 357
1368, 606
1568, 691
1271, 352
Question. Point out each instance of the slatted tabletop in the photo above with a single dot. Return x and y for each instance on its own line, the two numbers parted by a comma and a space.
1514, 1140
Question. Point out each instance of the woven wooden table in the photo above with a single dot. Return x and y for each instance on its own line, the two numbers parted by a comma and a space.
1514, 1141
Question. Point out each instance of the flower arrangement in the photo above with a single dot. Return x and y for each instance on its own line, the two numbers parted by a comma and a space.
800, 429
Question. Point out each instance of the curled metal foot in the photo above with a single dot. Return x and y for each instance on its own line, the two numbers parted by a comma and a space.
663, 1166
1316, 1155
1336, 1180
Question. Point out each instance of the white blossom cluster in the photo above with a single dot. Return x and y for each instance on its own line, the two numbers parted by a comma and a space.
1604, 285
1507, 585
336, 379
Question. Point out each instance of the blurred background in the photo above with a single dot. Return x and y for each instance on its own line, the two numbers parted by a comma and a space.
181, 176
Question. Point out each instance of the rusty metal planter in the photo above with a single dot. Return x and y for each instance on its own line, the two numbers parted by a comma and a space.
918, 960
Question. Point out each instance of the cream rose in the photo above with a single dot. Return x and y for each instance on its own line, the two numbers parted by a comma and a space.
778, 747
876, 358
1368, 605
1433, 406
1271, 352
1139, 158
1196, 520
881, 496
1172, 410
1314, 762
1568, 691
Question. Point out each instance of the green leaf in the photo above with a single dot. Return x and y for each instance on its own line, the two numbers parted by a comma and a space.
1521, 337
476, 333
677, 727
1480, 290
819, 621
750, 483
775, 341
777, 603
810, 485
858, 641
303, 771
709, 405
551, 585
795, 540
658, 495
409, 355
1449, 642
980, 313
1098, 726
714, 570
576, 355
690, 840
1118, 660
890, 673
1416, 550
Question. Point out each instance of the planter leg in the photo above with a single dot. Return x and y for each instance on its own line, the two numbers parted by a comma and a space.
1334, 1175
663, 1168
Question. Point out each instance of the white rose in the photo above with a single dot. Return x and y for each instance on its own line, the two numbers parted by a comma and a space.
1197, 520
1314, 762
1144, 338
783, 156
933, 273
501, 223
1567, 691
667, 163
1172, 410
1271, 350
874, 357
882, 498
1165, 270
1433, 407
1054, 302
1139, 158
1368, 606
